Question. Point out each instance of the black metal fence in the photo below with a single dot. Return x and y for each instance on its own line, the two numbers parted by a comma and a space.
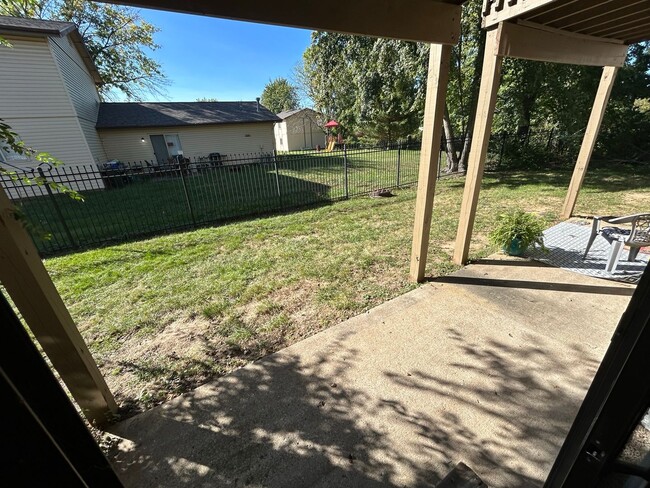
534, 147
124, 201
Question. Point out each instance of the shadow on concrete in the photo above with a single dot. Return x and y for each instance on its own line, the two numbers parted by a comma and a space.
325, 420
509, 407
276, 423
535, 285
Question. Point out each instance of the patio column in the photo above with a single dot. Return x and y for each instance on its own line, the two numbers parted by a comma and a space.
589, 141
30, 287
437, 79
482, 126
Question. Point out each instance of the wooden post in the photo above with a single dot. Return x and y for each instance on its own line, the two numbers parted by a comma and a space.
26, 280
481, 136
589, 140
432, 132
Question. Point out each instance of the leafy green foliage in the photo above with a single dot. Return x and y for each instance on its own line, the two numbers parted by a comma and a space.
516, 224
118, 40
373, 87
279, 95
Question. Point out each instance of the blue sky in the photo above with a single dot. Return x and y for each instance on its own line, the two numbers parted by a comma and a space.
222, 59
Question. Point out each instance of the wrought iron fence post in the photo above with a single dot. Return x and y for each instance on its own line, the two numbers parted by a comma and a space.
277, 175
399, 161
187, 195
345, 170
57, 209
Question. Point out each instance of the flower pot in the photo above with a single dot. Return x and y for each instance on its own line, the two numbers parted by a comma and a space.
515, 248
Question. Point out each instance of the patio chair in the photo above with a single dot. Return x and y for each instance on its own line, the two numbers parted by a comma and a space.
635, 238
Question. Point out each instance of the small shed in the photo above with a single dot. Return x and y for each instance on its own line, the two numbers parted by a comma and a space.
299, 129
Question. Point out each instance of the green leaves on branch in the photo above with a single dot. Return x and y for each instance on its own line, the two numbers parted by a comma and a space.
118, 40
11, 143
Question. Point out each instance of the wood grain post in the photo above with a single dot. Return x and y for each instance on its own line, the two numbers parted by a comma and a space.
589, 141
437, 79
30, 287
481, 137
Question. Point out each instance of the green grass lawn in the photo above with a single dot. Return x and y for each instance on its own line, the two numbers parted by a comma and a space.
149, 204
166, 314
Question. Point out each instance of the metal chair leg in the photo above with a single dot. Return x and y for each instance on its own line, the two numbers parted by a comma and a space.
634, 252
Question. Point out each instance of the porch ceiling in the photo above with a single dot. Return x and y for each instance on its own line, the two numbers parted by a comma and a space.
435, 21
625, 20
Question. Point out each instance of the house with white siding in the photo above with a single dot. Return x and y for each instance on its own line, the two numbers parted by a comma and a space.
299, 129
49, 96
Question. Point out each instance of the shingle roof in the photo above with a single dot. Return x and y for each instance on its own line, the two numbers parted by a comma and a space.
289, 113
171, 114
48, 27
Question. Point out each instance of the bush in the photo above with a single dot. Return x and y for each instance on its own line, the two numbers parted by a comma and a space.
517, 225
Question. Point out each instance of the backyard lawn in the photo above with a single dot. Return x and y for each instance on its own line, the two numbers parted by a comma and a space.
166, 314
143, 203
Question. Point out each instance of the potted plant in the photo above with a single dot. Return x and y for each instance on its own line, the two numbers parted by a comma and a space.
517, 230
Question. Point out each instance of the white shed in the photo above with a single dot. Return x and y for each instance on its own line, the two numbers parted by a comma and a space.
299, 129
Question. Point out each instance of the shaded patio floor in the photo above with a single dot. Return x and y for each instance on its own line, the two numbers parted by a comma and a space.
486, 366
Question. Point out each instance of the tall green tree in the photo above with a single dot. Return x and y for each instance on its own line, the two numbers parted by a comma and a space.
118, 39
279, 95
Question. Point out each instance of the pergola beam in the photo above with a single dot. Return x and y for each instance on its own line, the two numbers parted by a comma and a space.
437, 79
418, 20
30, 287
502, 12
476, 163
540, 43
589, 141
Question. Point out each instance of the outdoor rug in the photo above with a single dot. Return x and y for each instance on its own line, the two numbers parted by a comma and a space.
566, 243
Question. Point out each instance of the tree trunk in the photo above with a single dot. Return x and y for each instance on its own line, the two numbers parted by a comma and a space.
476, 85
452, 158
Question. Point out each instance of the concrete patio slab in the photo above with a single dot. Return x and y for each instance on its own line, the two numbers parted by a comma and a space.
487, 366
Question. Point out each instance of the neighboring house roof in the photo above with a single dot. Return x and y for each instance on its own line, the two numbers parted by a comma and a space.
172, 114
289, 113
50, 28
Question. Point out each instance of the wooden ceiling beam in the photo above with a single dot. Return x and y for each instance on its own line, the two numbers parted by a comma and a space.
604, 21
418, 20
571, 13
555, 46
631, 34
522, 7
619, 29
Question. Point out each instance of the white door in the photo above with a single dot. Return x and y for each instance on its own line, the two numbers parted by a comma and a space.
173, 142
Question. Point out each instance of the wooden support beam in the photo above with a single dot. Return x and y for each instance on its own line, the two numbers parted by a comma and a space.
418, 20
437, 79
540, 43
484, 114
589, 141
30, 287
